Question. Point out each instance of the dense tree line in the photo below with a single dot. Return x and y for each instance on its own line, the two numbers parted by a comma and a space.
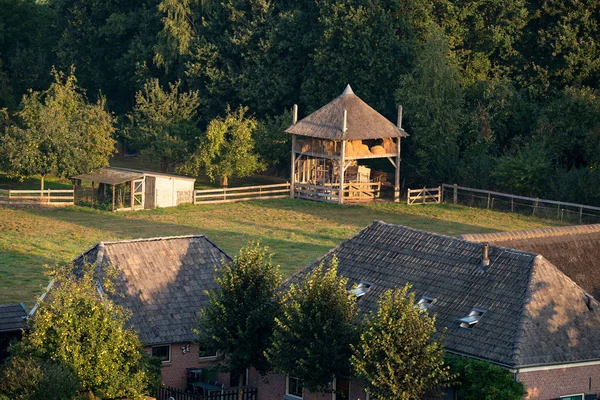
497, 94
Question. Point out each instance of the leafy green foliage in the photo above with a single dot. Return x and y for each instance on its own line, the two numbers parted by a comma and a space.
239, 318
57, 132
397, 356
272, 143
81, 330
226, 149
23, 377
482, 380
163, 123
313, 335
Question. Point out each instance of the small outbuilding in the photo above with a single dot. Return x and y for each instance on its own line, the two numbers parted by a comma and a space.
329, 145
13, 321
128, 189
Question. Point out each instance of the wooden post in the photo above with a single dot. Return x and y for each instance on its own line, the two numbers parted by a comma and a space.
113, 198
455, 193
93, 194
408, 197
48, 199
293, 169
536, 205
488, 203
131, 194
492, 206
512, 204
580, 214
295, 114
562, 214
397, 176
342, 162
423, 194
9, 200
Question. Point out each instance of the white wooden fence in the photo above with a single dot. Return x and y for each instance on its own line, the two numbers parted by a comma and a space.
46, 197
424, 196
230, 195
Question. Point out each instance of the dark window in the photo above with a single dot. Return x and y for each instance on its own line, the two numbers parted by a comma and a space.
205, 352
162, 352
294, 386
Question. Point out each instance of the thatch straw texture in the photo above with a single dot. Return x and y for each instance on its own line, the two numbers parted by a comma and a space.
363, 121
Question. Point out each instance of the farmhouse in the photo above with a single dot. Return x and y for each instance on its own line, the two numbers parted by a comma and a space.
130, 189
513, 308
329, 145
163, 283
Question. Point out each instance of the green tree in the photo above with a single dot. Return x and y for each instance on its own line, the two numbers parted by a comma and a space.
239, 318
313, 335
226, 149
482, 380
433, 99
23, 377
81, 329
57, 132
273, 144
398, 357
163, 123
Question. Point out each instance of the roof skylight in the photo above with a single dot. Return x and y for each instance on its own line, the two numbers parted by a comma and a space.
361, 289
425, 302
472, 319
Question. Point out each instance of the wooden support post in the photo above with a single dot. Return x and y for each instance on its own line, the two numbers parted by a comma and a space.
423, 194
455, 193
113, 198
293, 169
562, 214
580, 214
131, 189
488, 202
397, 176
512, 204
342, 169
93, 194
537, 202
48, 199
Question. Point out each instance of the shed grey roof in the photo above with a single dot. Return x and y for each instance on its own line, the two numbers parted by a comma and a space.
13, 317
163, 282
363, 122
110, 176
535, 315
575, 250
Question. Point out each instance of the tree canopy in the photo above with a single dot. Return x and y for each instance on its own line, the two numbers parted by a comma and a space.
57, 132
313, 334
79, 329
397, 356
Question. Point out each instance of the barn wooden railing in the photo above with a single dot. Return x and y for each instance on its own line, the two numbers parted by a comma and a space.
245, 193
424, 196
330, 192
46, 197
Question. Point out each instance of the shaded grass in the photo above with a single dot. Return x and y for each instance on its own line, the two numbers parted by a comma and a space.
296, 231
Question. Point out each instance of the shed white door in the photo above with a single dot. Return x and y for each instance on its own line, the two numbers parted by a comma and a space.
138, 193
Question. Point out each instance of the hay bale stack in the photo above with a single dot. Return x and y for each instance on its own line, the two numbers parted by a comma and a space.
349, 148
389, 146
378, 150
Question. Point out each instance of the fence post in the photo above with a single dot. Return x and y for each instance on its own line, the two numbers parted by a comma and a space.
580, 214
562, 214
440, 194
423, 194
9, 200
408, 197
455, 193
512, 204
48, 201
488, 204
537, 202
492, 205
260, 192
224, 193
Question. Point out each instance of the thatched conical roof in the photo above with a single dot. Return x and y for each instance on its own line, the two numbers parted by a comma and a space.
363, 122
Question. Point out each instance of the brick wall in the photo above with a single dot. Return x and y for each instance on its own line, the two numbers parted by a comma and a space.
551, 384
174, 371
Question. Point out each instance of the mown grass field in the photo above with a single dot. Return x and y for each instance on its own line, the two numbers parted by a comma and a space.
296, 231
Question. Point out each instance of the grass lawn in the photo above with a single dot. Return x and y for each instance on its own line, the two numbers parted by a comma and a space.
296, 231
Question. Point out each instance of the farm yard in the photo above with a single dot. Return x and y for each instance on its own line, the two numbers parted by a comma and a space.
296, 231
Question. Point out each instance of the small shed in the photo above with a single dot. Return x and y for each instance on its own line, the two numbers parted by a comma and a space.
13, 321
329, 144
130, 189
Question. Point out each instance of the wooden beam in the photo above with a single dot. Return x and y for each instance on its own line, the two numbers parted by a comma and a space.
342, 168
397, 180
293, 172
113, 198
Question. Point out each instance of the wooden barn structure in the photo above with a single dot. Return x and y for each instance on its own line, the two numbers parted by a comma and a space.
329, 144
129, 189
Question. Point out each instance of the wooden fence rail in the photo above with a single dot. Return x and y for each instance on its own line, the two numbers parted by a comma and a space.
514, 203
245, 193
46, 197
168, 393
424, 196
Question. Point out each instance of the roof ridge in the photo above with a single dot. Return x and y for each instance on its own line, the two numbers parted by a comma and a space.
533, 233
150, 239
516, 350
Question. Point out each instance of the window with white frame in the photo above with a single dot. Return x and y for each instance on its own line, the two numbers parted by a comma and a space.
573, 397
162, 352
294, 387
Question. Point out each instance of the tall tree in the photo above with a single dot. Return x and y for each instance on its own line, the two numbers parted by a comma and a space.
272, 143
397, 356
313, 335
239, 318
433, 100
163, 123
81, 329
58, 132
226, 149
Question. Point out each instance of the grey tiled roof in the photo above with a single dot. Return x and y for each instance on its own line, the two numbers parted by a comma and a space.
534, 313
13, 317
572, 249
163, 282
